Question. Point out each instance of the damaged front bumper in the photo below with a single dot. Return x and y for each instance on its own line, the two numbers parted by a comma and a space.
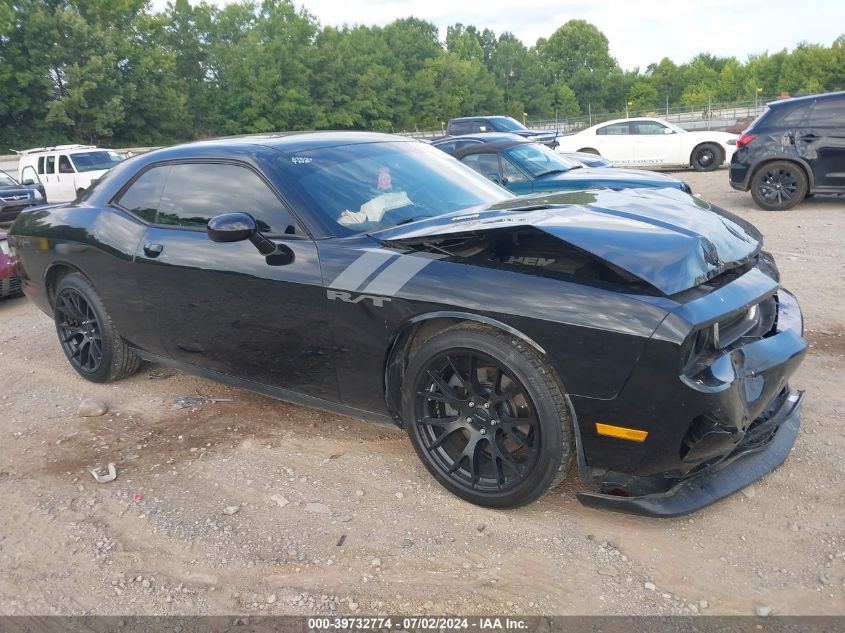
748, 430
747, 465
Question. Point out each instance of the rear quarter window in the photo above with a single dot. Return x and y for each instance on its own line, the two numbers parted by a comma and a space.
828, 113
781, 117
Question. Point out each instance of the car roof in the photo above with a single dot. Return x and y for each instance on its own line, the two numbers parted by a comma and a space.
495, 146
482, 137
480, 116
633, 118
64, 149
806, 99
295, 141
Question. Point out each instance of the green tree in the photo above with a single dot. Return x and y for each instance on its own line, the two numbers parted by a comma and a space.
575, 47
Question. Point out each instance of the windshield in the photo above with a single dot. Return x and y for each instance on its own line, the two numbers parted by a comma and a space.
507, 124
96, 160
6, 180
677, 129
364, 187
538, 160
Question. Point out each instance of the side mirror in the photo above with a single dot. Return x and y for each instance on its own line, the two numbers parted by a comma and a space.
28, 182
239, 226
668, 130
231, 227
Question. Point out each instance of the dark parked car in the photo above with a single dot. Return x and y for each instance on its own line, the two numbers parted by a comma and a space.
451, 144
14, 197
525, 167
794, 148
479, 124
643, 336
9, 283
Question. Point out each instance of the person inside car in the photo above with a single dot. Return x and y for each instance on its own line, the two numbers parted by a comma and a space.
384, 199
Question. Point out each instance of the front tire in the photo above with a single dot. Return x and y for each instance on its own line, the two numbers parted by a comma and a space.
487, 416
707, 157
778, 186
88, 338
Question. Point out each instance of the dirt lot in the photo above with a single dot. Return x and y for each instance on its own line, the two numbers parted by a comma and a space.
360, 527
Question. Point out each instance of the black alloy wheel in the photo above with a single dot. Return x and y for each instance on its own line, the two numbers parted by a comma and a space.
477, 421
487, 417
778, 186
707, 157
86, 333
79, 331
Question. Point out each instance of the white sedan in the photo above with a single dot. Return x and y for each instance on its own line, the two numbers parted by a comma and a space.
647, 142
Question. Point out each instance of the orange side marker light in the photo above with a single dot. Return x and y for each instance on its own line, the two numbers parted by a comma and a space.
635, 435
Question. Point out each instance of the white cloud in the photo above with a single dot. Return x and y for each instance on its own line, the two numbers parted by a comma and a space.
639, 32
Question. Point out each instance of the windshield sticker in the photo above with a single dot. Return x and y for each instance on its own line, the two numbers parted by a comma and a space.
300, 160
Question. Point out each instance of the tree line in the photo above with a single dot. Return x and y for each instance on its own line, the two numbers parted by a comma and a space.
117, 72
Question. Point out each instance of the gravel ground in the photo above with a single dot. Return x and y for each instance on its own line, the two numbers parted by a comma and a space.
249, 505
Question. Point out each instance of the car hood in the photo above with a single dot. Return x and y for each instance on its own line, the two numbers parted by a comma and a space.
535, 133
14, 191
671, 242
618, 178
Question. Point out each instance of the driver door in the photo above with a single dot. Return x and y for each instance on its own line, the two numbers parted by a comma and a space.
225, 307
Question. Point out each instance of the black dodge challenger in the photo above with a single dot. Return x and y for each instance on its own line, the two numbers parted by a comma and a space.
641, 333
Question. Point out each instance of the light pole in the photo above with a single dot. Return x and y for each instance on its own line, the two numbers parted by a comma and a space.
508, 80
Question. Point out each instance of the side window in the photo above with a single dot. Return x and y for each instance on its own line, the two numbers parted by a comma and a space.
616, 129
782, 117
143, 195
511, 172
480, 125
40, 164
51, 165
485, 164
829, 113
648, 127
463, 144
64, 165
196, 192
460, 127
447, 147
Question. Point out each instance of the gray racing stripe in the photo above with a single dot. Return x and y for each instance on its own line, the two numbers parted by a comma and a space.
357, 272
400, 272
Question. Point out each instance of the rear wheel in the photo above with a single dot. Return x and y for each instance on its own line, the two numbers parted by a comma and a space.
706, 157
487, 416
778, 186
87, 336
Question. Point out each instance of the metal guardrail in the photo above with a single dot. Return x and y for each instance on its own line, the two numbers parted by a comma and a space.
696, 117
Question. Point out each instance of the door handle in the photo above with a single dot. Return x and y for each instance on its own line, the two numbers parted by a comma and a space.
809, 138
153, 250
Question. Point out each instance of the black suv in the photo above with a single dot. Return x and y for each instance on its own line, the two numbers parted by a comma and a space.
795, 147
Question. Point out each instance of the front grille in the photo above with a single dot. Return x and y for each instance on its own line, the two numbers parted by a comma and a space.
13, 209
9, 287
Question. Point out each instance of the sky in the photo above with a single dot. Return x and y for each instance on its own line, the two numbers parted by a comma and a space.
640, 31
